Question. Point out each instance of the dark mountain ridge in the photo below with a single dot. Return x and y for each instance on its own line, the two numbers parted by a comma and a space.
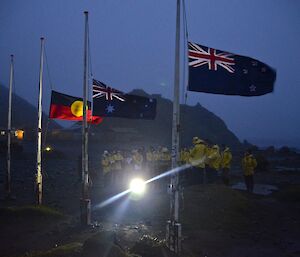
194, 120
24, 114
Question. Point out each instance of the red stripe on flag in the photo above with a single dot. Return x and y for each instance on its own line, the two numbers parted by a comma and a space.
62, 112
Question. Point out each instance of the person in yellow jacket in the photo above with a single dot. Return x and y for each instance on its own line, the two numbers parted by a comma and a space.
198, 153
214, 157
150, 162
197, 158
106, 169
184, 156
214, 161
118, 163
112, 164
184, 159
208, 153
165, 154
118, 158
155, 155
226, 158
249, 164
137, 160
150, 155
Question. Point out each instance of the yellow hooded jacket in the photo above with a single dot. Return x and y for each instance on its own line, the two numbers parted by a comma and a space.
249, 164
226, 159
137, 158
150, 156
214, 158
118, 158
197, 155
105, 164
184, 156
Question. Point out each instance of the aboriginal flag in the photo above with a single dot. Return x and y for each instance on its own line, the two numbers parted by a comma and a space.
66, 107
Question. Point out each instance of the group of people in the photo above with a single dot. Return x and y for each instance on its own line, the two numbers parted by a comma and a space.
203, 162
119, 167
206, 161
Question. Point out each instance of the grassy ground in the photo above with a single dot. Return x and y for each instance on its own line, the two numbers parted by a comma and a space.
29, 212
28, 227
289, 193
216, 221
68, 250
217, 207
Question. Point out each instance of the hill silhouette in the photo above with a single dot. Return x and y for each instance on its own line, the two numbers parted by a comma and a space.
195, 121
24, 114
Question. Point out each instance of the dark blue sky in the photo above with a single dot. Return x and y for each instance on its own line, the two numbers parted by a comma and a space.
132, 46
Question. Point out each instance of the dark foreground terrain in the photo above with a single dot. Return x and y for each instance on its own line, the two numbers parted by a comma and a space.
217, 220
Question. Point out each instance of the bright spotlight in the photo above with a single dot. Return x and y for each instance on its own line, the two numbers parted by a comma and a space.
48, 149
137, 186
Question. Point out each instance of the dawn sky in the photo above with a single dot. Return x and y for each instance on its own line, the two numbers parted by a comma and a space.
132, 46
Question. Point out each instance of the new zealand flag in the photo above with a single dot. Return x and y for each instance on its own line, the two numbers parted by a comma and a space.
218, 72
113, 103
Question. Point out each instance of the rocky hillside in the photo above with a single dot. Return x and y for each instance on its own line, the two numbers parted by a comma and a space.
195, 121
24, 114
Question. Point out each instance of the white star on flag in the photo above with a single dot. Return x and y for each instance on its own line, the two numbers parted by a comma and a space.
245, 71
252, 88
110, 108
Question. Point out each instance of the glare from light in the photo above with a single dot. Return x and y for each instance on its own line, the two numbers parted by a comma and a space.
112, 199
48, 148
164, 174
137, 186
169, 173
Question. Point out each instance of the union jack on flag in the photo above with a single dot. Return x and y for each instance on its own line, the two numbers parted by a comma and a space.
110, 102
102, 90
218, 72
198, 56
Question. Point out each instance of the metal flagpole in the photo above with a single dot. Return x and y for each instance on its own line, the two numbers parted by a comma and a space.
85, 202
39, 176
173, 225
8, 175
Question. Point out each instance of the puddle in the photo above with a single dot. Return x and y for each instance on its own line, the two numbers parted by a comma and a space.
259, 189
283, 168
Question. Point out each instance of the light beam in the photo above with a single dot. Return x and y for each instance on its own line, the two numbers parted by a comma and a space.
167, 173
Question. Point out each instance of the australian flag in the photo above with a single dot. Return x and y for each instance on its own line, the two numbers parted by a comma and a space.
114, 103
218, 72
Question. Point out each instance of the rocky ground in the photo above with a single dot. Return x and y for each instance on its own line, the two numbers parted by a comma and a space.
216, 220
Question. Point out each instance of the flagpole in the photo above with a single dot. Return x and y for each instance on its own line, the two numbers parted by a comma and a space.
8, 175
173, 225
85, 202
39, 176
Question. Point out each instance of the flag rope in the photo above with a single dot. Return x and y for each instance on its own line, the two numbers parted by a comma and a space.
44, 140
51, 88
90, 73
186, 36
48, 70
184, 75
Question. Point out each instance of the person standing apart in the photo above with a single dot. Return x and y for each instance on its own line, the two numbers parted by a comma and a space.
249, 163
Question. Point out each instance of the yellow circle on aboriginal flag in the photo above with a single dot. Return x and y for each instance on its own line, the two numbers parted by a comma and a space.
77, 108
